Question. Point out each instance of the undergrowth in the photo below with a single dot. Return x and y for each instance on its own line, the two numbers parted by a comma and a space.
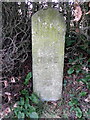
29, 106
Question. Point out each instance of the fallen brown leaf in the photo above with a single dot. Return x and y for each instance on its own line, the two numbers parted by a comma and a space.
88, 98
13, 80
5, 83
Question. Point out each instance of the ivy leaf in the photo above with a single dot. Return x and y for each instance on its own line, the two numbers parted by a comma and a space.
70, 71
34, 99
21, 102
16, 110
73, 102
70, 103
83, 94
78, 69
88, 113
27, 100
78, 112
72, 108
21, 115
32, 109
25, 92
34, 115
89, 60
28, 77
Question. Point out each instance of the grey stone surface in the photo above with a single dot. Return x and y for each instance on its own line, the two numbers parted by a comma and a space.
48, 38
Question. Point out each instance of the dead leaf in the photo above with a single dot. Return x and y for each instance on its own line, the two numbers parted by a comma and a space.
19, 78
54, 103
88, 12
81, 83
86, 69
5, 112
79, 88
77, 30
5, 83
13, 80
16, 94
15, 105
8, 95
88, 98
77, 13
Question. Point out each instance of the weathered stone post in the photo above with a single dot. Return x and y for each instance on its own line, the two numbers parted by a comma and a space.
48, 37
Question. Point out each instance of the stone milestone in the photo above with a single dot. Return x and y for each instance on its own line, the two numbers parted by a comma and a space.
48, 39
